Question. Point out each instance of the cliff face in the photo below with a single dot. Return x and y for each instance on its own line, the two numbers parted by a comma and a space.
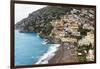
63, 24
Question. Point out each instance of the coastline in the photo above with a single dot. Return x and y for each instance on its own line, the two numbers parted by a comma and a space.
55, 59
44, 59
60, 54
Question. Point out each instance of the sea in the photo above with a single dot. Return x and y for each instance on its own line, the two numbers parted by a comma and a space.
30, 49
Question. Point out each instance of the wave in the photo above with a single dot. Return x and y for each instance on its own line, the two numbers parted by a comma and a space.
49, 54
38, 35
45, 41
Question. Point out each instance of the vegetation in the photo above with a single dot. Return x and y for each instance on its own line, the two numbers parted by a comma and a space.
84, 50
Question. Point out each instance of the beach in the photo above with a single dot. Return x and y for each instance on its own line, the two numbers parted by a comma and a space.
65, 54
44, 59
60, 54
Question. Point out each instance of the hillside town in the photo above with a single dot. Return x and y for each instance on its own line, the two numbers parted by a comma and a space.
66, 30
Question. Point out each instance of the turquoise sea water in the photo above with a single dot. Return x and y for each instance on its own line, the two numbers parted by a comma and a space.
29, 47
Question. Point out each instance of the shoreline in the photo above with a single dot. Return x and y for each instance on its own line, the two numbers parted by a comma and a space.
65, 54
62, 54
58, 53
44, 59
55, 59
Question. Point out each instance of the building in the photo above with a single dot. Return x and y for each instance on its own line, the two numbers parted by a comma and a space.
69, 39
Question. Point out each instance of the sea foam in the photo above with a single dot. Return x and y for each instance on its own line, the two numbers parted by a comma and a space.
49, 54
